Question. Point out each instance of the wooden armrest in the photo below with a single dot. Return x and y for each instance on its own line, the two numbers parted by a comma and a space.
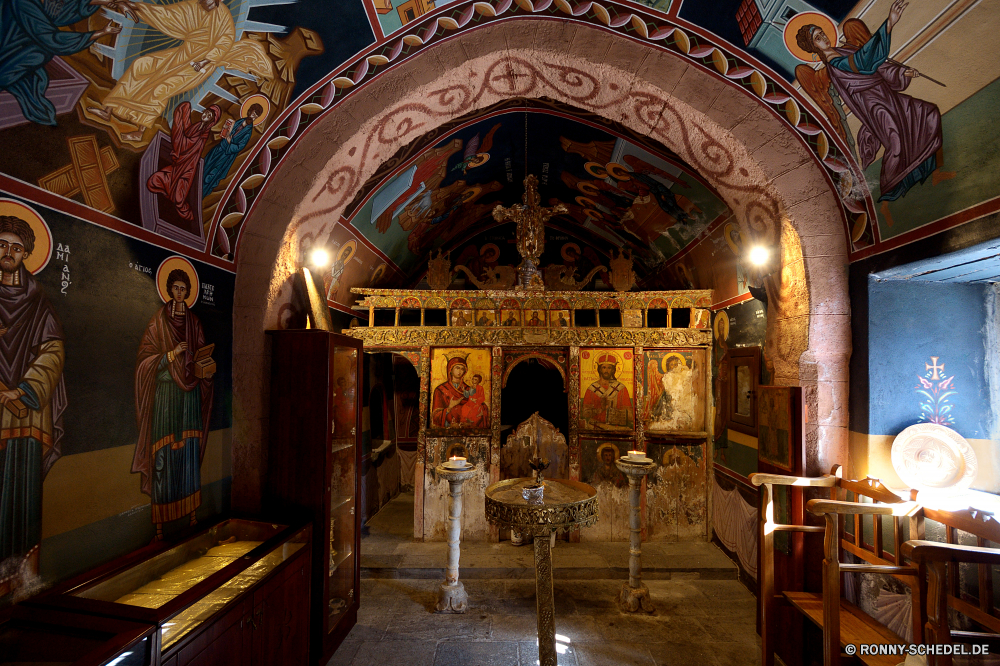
821, 506
759, 479
932, 551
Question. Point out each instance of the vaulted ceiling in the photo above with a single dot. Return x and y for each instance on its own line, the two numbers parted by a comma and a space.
621, 191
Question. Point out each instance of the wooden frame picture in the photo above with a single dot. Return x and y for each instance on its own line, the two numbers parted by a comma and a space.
744, 379
780, 430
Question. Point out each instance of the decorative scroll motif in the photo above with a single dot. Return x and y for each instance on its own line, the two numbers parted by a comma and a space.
530, 219
499, 277
425, 384
640, 393
738, 70
513, 357
520, 299
621, 275
510, 336
412, 356
562, 278
497, 370
574, 413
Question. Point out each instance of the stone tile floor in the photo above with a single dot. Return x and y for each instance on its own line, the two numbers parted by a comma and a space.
696, 622
703, 614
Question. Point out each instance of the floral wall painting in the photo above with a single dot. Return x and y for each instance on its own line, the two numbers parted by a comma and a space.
675, 391
606, 389
935, 388
460, 393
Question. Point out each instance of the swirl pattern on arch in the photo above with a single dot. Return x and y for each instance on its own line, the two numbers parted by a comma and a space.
721, 159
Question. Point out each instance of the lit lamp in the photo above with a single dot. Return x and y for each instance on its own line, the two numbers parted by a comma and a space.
319, 258
759, 257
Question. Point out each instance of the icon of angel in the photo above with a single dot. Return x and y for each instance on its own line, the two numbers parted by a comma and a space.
474, 154
860, 75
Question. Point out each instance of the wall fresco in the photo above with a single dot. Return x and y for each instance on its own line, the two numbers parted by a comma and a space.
74, 378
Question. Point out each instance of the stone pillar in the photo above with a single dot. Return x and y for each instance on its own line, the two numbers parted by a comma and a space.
634, 595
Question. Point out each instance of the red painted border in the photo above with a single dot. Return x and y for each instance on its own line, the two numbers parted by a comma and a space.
742, 298
735, 476
983, 209
87, 214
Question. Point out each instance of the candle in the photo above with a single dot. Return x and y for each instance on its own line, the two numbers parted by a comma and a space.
636, 455
457, 461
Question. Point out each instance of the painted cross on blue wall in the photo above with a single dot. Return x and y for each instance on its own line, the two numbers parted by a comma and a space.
935, 387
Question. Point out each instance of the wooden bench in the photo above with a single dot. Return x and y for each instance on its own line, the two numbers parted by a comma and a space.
856, 527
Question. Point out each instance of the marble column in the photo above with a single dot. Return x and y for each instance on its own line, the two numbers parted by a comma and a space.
452, 597
634, 596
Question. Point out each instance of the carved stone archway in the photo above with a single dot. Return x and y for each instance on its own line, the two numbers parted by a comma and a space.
760, 167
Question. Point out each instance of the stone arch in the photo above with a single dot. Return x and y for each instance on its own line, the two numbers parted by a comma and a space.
755, 162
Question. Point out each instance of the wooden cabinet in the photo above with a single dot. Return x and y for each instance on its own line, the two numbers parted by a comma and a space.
313, 464
46, 636
236, 593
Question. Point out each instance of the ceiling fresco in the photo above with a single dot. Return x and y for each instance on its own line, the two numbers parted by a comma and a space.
619, 194
907, 140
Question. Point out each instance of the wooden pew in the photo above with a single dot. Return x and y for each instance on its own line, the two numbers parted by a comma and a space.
929, 568
934, 561
854, 625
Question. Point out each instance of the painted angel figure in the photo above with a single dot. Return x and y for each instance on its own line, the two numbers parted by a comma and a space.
474, 155
870, 84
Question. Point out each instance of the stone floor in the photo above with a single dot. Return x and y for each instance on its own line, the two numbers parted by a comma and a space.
703, 614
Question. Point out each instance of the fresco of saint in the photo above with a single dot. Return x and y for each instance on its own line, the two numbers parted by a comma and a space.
871, 86
607, 471
173, 407
32, 403
187, 139
220, 159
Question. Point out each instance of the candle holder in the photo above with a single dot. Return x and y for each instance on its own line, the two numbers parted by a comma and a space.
452, 597
539, 465
634, 594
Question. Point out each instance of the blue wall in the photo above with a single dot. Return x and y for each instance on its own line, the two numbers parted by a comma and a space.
909, 323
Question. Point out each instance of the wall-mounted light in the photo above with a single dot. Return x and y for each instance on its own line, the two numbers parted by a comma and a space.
319, 258
759, 255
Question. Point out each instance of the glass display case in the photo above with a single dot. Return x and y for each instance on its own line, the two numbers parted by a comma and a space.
44, 636
313, 464
184, 588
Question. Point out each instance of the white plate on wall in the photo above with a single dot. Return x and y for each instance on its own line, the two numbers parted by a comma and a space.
928, 456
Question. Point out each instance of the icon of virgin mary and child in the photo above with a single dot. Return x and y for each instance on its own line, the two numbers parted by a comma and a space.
457, 402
